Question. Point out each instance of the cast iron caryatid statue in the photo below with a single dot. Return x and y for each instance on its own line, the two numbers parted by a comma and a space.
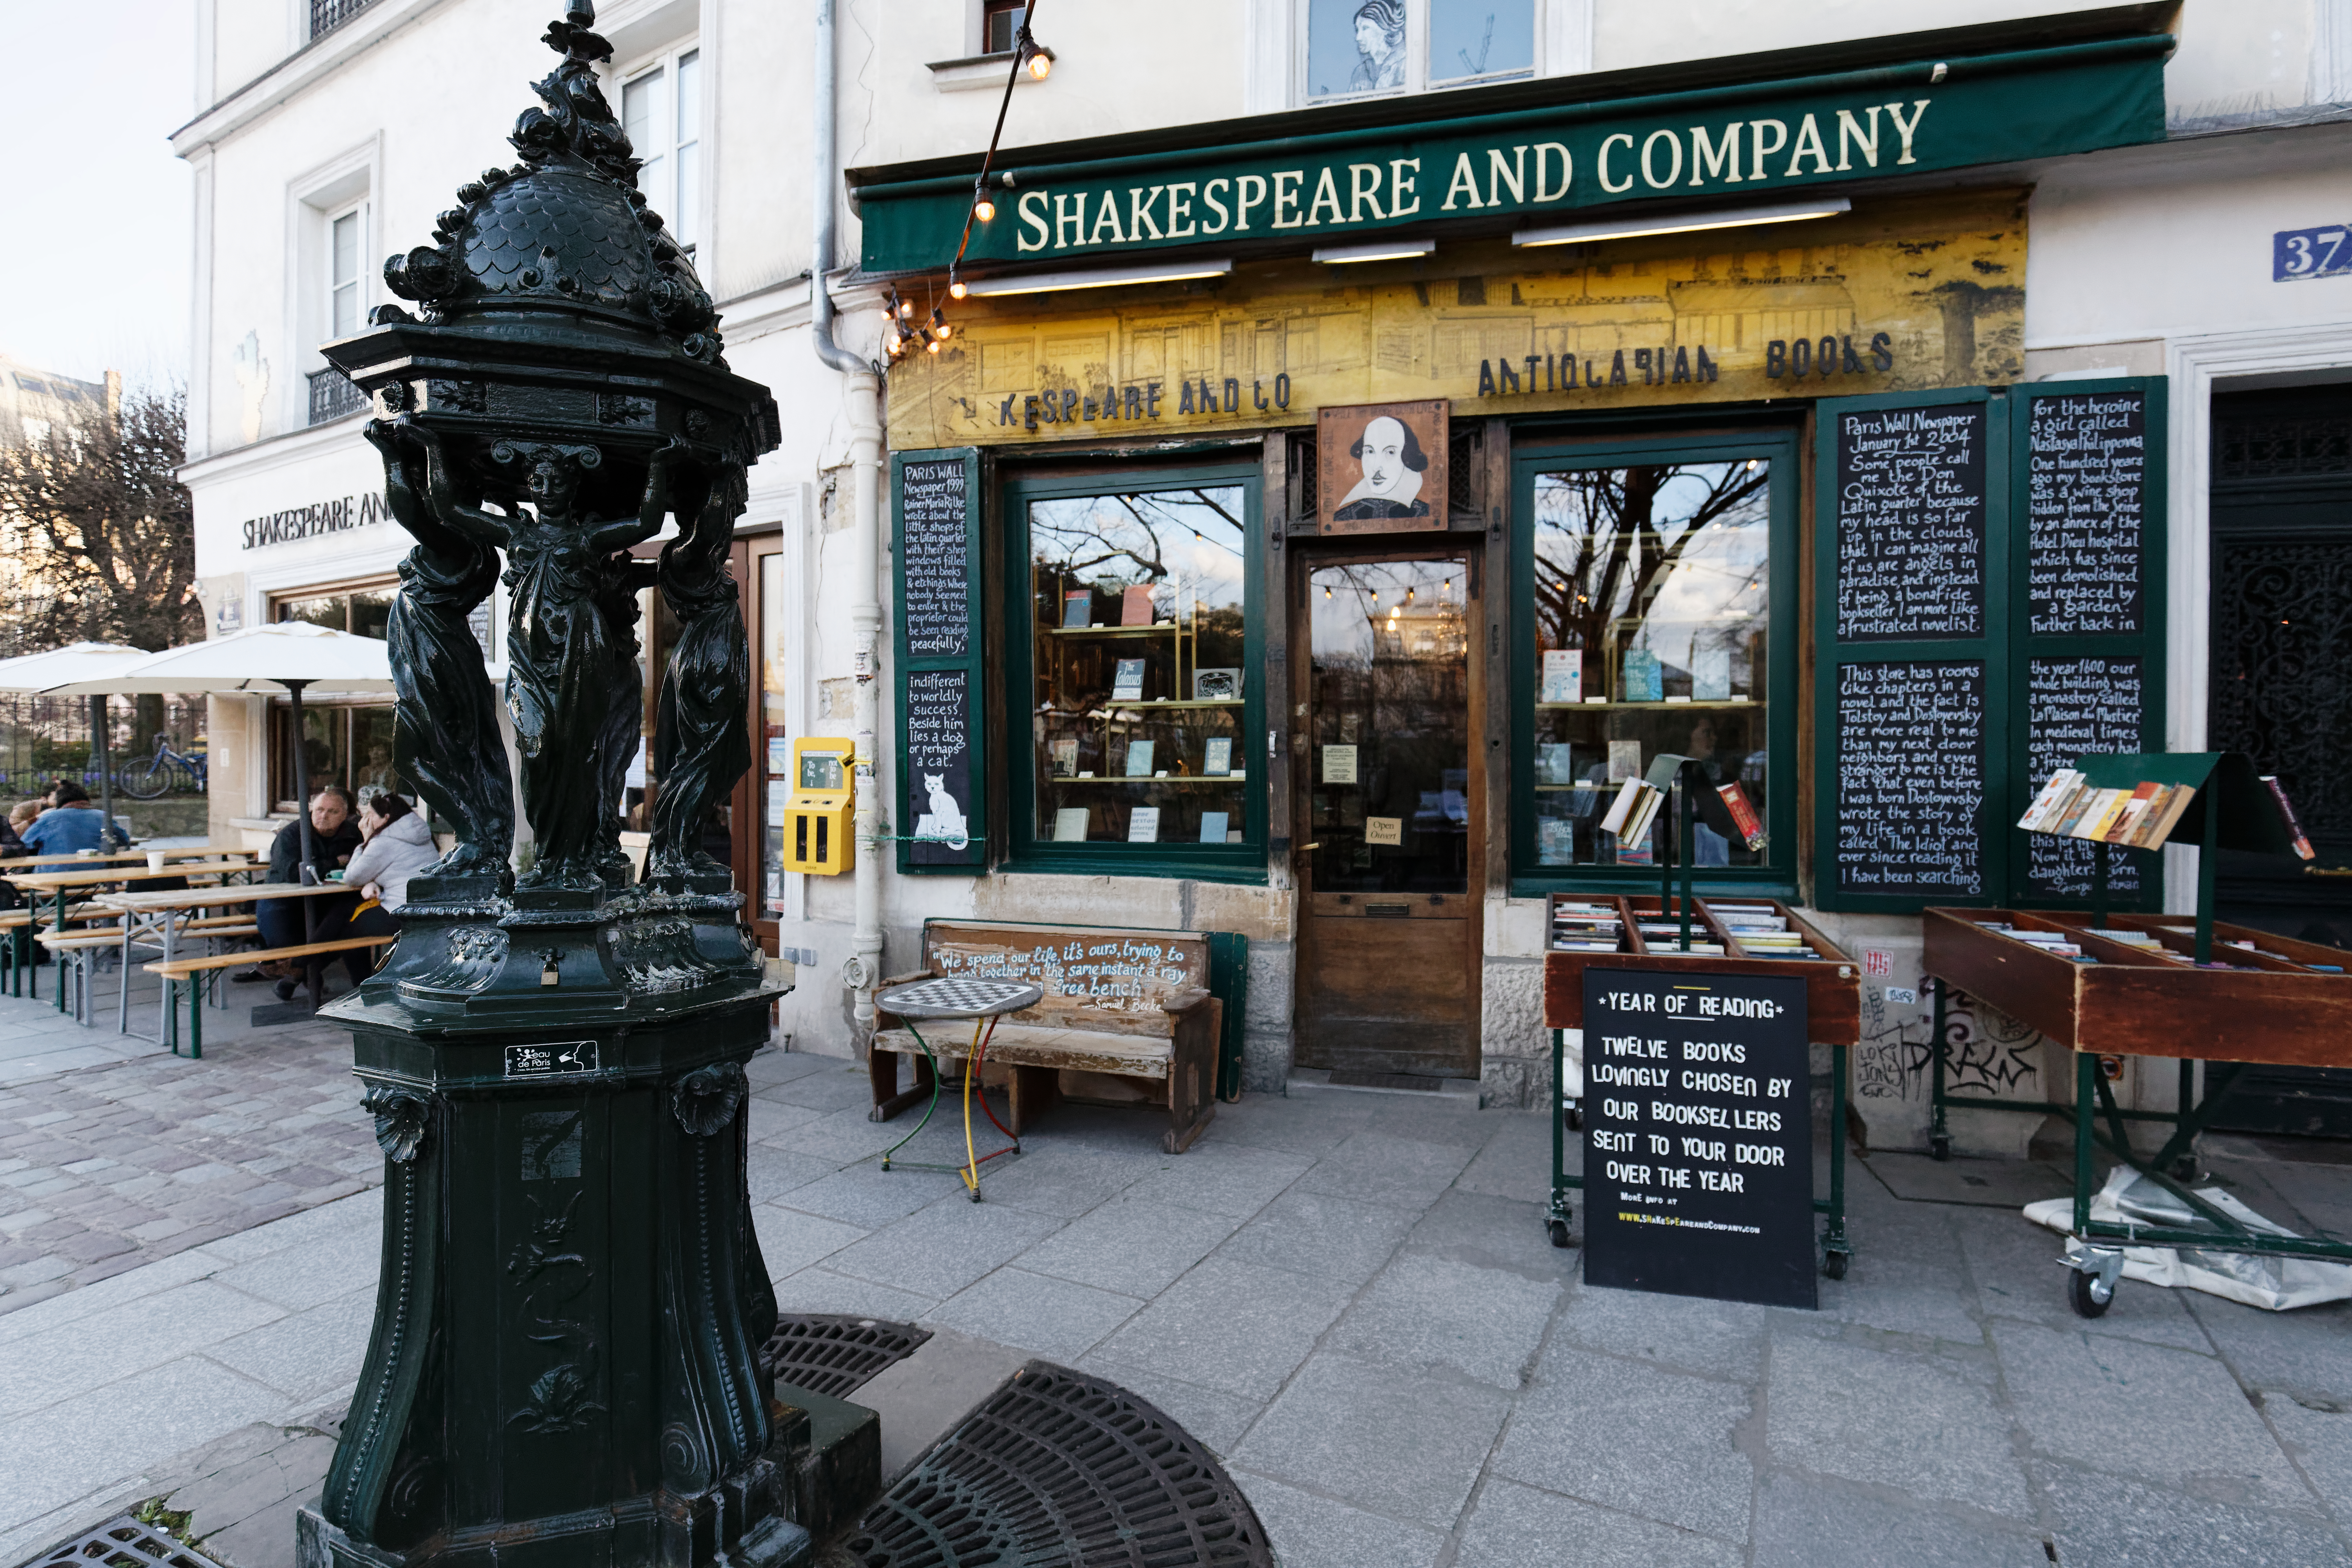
563, 1369
444, 730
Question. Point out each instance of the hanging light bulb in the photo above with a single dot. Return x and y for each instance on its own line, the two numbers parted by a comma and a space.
956, 287
1326, 591
984, 210
933, 346
906, 309
1041, 64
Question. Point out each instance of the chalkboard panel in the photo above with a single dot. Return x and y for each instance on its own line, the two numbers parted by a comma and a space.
2077, 708
935, 586
938, 759
2086, 480
943, 752
1911, 775
1698, 1139
1910, 520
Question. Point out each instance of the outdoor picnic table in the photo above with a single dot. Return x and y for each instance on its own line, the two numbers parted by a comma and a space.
72, 857
60, 883
163, 918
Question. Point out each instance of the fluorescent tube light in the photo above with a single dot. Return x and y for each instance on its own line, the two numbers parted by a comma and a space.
1101, 278
1380, 251
1682, 223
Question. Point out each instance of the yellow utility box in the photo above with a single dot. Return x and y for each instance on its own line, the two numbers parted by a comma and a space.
817, 817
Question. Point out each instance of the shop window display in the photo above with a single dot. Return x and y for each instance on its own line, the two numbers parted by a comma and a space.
1650, 606
1139, 646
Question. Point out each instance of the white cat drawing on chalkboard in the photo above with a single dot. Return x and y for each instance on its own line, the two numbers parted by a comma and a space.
943, 824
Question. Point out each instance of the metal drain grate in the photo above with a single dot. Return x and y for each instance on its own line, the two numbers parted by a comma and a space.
833, 1354
121, 1543
1350, 1077
1057, 1469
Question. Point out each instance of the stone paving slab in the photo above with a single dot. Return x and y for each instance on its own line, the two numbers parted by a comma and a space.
1349, 1297
120, 1162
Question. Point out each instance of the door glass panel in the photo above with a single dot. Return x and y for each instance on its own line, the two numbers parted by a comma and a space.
1390, 727
1141, 657
775, 744
1650, 613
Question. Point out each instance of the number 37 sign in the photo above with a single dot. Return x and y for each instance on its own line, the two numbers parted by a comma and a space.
2300, 253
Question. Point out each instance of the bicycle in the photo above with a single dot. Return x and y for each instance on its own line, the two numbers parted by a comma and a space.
167, 769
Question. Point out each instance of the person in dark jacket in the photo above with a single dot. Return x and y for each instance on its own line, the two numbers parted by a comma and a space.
282, 921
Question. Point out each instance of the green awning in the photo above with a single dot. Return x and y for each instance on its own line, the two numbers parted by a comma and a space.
1487, 160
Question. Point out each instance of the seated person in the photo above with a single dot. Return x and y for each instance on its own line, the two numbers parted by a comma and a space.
20, 817
336, 838
71, 825
397, 846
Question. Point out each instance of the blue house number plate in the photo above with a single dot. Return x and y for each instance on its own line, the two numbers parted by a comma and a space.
2300, 253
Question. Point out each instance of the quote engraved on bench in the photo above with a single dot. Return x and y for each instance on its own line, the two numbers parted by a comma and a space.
551, 1061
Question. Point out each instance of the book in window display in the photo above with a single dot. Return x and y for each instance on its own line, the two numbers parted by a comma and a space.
1563, 675
1135, 605
1070, 825
1065, 757
1212, 826
1078, 608
1217, 756
1138, 758
1642, 678
1143, 825
1126, 682
1216, 685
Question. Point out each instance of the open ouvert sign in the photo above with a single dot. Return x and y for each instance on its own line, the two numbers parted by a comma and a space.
1698, 1169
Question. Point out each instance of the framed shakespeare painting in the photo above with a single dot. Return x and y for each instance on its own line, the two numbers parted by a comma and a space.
1380, 468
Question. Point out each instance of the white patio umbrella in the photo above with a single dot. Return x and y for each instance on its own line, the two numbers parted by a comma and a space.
76, 661
292, 654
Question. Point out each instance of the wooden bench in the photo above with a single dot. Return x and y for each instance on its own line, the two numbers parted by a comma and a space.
1127, 1019
193, 971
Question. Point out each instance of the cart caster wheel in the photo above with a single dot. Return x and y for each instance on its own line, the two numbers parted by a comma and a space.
1939, 1146
885, 1164
1574, 1118
2185, 1168
1559, 1231
1834, 1263
2090, 1295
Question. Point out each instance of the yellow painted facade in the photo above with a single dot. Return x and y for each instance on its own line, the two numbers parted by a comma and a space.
1934, 285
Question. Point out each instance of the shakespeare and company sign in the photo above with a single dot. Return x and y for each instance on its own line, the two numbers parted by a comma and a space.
1758, 141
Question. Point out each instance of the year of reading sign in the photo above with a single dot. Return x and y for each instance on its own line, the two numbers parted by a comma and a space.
1698, 1139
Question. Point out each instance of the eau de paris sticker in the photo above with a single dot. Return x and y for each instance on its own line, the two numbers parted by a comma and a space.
1699, 1141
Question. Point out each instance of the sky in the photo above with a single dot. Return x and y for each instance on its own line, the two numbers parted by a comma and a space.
97, 277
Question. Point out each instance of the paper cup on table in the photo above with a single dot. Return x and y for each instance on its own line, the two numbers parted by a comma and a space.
154, 859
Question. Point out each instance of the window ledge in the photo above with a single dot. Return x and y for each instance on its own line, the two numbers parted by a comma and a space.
979, 71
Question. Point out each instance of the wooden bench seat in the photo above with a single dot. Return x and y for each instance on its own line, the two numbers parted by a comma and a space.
188, 974
1127, 1019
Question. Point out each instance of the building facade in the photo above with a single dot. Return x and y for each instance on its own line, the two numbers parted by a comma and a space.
1365, 433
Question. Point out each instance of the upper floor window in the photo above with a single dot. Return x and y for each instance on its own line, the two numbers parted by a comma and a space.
1358, 47
326, 16
1000, 24
661, 110
343, 244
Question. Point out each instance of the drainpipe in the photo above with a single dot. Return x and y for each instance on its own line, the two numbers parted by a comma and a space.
862, 399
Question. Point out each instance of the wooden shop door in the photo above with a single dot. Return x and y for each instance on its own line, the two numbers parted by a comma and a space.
1388, 810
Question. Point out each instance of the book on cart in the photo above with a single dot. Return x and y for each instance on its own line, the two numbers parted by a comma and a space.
1743, 814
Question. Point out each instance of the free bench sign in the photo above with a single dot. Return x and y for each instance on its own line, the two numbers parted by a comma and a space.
1698, 1165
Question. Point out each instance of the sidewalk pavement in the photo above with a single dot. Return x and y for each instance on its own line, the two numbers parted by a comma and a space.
1351, 1298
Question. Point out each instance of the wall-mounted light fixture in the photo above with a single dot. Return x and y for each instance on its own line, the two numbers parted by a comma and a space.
1098, 278
1636, 227
1380, 251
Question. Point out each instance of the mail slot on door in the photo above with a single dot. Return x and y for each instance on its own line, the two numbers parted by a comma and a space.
817, 817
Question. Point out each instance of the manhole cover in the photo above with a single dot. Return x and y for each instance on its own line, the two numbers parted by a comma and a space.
1350, 1077
832, 1354
1057, 1469
121, 1543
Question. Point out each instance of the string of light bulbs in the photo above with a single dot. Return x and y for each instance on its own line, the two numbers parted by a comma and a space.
905, 332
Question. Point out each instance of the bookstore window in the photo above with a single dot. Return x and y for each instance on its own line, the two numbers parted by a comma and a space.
350, 744
1652, 611
1140, 648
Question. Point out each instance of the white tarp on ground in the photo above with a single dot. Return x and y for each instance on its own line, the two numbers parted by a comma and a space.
2276, 1283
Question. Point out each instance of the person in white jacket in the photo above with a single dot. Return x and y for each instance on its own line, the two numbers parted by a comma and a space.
397, 845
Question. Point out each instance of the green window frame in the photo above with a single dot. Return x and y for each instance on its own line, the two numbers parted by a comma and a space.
1243, 862
1783, 448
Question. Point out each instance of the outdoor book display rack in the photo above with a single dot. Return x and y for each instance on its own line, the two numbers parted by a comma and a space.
2151, 986
1678, 927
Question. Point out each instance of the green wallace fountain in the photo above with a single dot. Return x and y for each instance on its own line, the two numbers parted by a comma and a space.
562, 1367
